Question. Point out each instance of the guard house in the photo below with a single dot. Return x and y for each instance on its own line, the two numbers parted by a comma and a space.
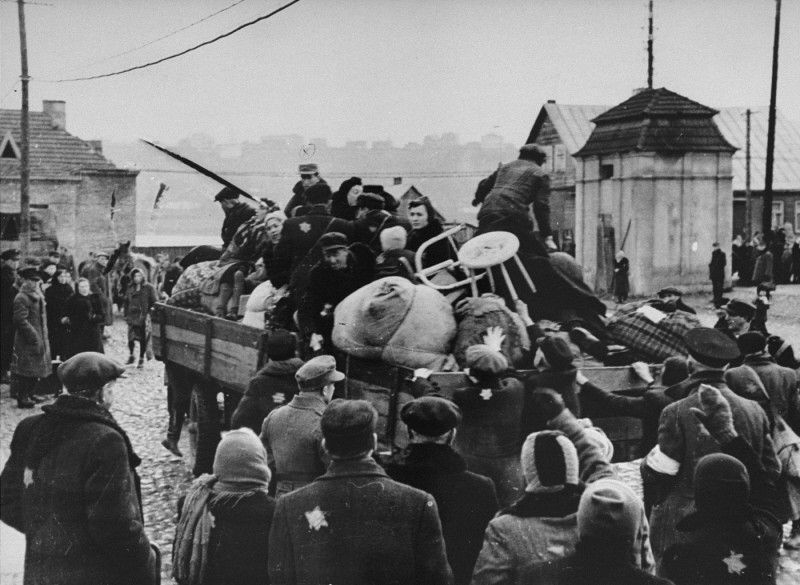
656, 174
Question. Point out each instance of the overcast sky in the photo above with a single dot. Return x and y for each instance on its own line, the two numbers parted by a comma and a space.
385, 69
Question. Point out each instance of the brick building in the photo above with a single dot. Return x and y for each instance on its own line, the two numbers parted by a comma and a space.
73, 188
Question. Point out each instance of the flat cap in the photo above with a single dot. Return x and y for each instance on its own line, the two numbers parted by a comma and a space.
332, 241
308, 168
88, 371
226, 193
484, 358
711, 346
751, 342
431, 415
371, 200
30, 273
317, 373
348, 425
736, 308
669, 291
557, 352
12, 254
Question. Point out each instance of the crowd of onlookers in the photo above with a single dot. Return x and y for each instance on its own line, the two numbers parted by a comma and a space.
754, 262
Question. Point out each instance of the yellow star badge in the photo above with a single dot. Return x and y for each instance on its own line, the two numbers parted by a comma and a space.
486, 393
305, 227
735, 564
316, 519
27, 476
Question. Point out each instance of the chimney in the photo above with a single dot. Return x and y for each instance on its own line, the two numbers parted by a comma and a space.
57, 110
96, 146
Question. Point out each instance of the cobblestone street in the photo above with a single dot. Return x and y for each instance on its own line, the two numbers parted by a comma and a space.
140, 408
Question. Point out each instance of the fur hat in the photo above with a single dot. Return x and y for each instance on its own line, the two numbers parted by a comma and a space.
751, 342
332, 241
484, 358
609, 509
370, 200
241, 460
431, 416
557, 352
281, 345
89, 371
348, 426
549, 461
393, 238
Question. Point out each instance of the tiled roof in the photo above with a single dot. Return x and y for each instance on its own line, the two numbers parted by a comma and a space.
656, 120
53, 153
574, 125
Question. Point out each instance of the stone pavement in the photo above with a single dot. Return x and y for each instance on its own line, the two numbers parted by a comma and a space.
140, 408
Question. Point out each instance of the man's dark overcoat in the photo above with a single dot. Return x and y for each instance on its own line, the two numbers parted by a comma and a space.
355, 526
86, 319
466, 501
275, 378
8, 292
234, 218
70, 486
779, 382
367, 229
31, 344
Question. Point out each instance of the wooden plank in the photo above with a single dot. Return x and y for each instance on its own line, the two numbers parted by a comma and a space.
187, 320
236, 332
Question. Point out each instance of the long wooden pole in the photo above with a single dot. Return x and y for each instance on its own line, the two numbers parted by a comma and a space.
25, 169
748, 202
650, 48
766, 214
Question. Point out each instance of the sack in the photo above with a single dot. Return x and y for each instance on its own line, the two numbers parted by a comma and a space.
787, 446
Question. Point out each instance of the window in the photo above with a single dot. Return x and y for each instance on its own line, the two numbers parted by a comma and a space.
606, 171
42, 225
777, 214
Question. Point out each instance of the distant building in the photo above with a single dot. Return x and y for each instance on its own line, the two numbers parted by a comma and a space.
73, 187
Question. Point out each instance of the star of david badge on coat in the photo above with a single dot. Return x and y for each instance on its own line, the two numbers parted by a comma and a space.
305, 227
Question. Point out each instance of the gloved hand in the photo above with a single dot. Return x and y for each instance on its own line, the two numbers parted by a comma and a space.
550, 244
716, 415
643, 371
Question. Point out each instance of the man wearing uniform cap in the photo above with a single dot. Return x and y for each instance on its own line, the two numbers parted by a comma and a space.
466, 501
291, 434
309, 176
338, 274
31, 358
8, 291
70, 486
681, 442
236, 213
354, 524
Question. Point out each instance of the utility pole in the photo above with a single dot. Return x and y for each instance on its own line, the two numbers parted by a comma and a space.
650, 48
25, 169
766, 215
748, 204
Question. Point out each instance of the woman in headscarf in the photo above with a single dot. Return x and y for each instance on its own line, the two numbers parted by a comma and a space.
55, 298
224, 521
621, 269
424, 226
84, 316
140, 298
343, 202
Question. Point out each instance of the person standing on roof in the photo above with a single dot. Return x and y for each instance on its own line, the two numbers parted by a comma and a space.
508, 194
236, 213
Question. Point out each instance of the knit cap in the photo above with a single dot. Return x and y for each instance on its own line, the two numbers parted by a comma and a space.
240, 463
393, 238
549, 461
599, 439
281, 345
609, 509
484, 358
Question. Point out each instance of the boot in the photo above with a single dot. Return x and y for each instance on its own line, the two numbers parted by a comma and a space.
225, 293
141, 363
171, 446
131, 359
23, 397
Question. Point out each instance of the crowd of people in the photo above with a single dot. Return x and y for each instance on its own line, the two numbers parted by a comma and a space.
502, 480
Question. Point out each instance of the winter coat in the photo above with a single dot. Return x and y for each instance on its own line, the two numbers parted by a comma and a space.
541, 526
367, 230
298, 198
355, 526
779, 382
86, 319
621, 284
466, 500
31, 343
234, 218
739, 547
98, 280
438, 252
716, 268
239, 538
272, 386
762, 270
55, 298
70, 486
590, 566
293, 439
682, 442
298, 250
138, 304
8, 292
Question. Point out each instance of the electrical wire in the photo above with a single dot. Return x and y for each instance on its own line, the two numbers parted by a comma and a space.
166, 36
181, 53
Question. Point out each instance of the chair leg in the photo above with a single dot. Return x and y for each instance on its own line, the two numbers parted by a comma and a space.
509, 284
525, 274
472, 283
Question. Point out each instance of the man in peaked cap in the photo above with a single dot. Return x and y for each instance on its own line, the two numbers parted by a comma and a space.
681, 443
236, 213
734, 318
31, 355
8, 291
466, 501
335, 530
309, 176
70, 486
292, 435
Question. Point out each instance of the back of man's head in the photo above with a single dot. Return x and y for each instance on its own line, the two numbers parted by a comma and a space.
348, 427
318, 194
609, 512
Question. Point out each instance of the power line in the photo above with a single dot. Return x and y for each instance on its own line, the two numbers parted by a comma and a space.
162, 38
189, 50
